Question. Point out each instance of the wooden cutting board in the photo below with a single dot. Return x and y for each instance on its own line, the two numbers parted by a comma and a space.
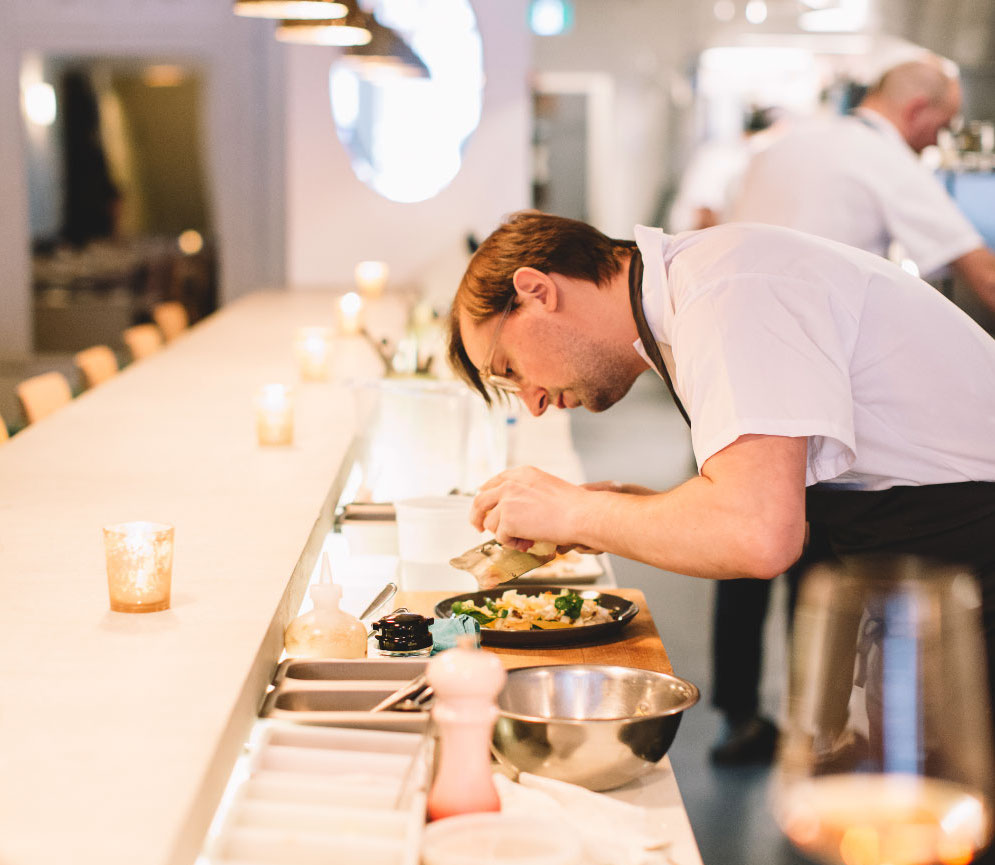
637, 645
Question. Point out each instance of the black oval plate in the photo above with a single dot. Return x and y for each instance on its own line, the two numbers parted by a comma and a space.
622, 610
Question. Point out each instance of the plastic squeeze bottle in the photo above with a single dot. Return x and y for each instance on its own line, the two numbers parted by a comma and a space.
466, 682
326, 631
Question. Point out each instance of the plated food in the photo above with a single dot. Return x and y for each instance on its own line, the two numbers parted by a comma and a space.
515, 611
535, 619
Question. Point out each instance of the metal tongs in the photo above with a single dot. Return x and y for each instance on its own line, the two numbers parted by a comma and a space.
410, 697
492, 564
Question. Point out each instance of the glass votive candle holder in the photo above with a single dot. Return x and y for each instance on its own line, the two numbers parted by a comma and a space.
139, 566
350, 313
275, 415
313, 347
371, 277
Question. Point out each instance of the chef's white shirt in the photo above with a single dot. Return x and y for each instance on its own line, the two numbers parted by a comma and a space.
770, 331
855, 180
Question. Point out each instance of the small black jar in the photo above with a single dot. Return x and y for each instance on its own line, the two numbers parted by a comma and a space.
403, 635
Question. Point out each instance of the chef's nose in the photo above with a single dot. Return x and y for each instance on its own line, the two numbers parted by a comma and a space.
536, 399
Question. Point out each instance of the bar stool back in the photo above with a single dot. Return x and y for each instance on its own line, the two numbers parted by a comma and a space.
97, 364
172, 318
42, 394
142, 340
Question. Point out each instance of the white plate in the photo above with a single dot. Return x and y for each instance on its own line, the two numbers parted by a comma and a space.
571, 567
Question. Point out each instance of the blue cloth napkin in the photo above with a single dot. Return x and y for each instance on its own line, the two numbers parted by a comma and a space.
445, 632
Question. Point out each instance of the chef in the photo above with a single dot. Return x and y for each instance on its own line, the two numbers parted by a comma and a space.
828, 391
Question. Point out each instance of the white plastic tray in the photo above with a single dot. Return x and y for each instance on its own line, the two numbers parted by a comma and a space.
316, 795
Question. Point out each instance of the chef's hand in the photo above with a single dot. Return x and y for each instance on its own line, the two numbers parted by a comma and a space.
525, 504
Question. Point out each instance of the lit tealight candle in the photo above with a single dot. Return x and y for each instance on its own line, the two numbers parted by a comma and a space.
350, 313
314, 352
139, 566
275, 415
371, 277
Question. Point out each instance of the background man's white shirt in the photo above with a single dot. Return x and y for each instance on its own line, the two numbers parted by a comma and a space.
855, 180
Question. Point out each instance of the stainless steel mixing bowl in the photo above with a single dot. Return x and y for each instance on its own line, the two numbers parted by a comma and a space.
597, 726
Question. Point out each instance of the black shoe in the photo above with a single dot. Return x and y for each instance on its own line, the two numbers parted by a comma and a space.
753, 741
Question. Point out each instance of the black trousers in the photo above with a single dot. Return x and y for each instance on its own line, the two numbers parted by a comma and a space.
738, 617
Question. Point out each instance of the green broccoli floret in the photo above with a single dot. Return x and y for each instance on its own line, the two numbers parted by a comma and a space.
569, 604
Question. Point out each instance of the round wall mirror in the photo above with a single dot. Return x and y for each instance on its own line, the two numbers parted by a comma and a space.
405, 135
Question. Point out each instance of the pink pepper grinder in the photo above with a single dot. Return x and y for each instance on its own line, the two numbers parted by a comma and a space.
466, 682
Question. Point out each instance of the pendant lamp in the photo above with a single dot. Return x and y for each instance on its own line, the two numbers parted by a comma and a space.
385, 54
292, 9
353, 29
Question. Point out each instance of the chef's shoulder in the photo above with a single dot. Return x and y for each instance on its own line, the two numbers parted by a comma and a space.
732, 249
740, 254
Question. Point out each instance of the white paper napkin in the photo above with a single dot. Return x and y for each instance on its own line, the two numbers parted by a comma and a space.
611, 832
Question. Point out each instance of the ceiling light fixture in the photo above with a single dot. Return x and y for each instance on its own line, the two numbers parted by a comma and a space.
550, 17
309, 10
354, 29
385, 54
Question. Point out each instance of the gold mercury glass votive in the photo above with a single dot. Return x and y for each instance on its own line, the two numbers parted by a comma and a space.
139, 566
371, 277
313, 347
350, 313
275, 415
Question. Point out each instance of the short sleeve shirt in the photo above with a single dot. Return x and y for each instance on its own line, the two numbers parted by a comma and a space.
774, 332
855, 180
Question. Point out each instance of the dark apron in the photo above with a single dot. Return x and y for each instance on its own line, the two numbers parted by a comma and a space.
952, 523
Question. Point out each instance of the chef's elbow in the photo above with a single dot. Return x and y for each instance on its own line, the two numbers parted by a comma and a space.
774, 551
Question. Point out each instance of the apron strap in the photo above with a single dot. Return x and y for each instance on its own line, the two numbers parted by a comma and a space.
642, 326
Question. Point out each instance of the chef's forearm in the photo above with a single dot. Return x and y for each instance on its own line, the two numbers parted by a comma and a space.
977, 269
744, 517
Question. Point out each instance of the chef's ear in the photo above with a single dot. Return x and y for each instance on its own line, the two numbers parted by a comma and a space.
532, 284
913, 110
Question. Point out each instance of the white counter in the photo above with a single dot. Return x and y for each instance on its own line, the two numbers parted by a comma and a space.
118, 732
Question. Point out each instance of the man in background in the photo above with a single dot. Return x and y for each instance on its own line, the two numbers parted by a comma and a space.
858, 179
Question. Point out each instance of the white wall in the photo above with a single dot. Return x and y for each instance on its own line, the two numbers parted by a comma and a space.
644, 48
334, 220
243, 123
298, 216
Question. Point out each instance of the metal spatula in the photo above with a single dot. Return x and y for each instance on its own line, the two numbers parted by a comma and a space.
492, 564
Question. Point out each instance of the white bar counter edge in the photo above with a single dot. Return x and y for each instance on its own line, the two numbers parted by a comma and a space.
118, 731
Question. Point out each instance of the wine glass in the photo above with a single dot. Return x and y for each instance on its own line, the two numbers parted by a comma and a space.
886, 758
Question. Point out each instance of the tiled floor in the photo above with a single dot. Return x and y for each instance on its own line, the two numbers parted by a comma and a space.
644, 439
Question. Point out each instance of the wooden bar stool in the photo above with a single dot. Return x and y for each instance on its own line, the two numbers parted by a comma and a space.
42, 394
142, 340
97, 364
172, 318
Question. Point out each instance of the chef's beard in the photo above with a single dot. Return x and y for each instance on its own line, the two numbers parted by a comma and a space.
602, 374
